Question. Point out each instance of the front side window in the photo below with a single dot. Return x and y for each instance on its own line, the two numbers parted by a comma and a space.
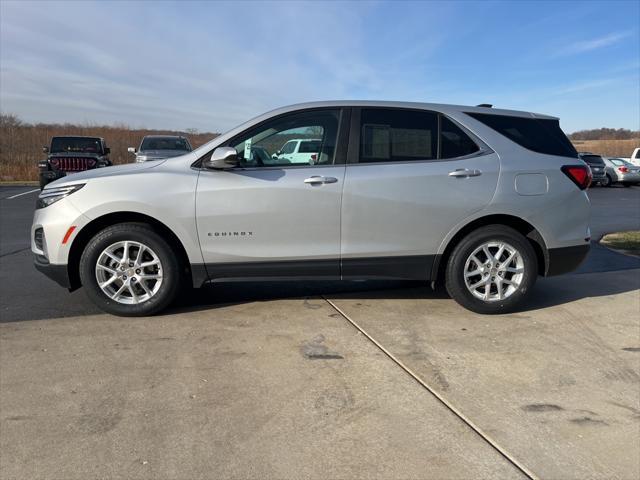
289, 147
398, 135
273, 144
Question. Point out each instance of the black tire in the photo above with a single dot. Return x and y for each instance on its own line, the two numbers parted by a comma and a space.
626, 185
455, 279
608, 182
136, 232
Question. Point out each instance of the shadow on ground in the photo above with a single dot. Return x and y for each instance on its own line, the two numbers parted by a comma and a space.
23, 298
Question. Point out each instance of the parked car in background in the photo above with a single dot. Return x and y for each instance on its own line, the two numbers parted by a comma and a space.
478, 199
299, 150
634, 159
596, 163
70, 154
157, 147
620, 171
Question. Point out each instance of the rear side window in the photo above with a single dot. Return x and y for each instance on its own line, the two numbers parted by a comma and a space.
309, 146
538, 135
453, 141
398, 135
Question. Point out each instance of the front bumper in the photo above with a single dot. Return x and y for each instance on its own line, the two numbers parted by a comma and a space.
48, 176
57, 273
565, 259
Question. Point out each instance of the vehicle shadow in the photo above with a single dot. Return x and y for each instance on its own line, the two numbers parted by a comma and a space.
604, 273
548, 292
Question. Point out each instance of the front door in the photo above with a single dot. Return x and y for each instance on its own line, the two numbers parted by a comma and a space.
275, 217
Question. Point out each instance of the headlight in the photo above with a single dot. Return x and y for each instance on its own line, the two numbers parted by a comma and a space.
52, 195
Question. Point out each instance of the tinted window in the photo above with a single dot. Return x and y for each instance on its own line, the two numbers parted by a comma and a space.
539, 135
165, 143
593, 160
75, 145
309, 146
273, 143
453, 141
398, 135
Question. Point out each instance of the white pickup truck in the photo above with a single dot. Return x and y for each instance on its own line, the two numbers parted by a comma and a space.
635, 157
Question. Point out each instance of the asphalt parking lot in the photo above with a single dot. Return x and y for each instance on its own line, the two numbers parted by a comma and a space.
323, 380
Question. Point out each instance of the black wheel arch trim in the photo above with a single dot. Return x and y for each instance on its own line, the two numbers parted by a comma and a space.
83, 236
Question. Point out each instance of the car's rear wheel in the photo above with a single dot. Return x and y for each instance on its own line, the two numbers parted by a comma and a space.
128, 269
607, 182
491, 270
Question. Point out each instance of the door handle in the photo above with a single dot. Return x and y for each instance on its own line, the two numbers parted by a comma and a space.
316, 179
465, 172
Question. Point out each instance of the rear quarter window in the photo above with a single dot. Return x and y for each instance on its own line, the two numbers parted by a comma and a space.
535, 134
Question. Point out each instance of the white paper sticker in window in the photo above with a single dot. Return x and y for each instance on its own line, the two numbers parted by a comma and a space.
247, 149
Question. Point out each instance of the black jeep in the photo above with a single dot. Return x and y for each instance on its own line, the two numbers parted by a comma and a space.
72, 154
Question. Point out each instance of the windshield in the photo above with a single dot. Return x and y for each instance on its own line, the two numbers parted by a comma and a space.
165, 143
76, 145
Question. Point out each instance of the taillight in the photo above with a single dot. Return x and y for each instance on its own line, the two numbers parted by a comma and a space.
623, 169
579, 174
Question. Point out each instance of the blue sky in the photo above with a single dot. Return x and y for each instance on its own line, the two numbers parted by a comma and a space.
212, 65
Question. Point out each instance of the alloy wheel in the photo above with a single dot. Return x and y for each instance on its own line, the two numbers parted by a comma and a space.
494, 271
129, 272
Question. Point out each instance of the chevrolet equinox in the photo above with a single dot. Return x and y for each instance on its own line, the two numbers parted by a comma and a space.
480, 199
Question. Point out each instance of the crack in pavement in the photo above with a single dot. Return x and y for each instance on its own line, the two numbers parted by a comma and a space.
14, 252
510, 458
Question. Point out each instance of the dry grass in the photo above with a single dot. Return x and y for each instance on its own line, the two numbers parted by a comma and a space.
627, 242
608, 148
21, 144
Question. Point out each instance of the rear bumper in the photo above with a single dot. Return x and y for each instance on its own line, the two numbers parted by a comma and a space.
57, 273
565, 259
629, 178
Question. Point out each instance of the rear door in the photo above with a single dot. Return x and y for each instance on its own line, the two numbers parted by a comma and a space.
271, 217
411, 176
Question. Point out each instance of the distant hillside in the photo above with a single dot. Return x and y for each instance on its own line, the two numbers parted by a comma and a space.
605, 134
21, 143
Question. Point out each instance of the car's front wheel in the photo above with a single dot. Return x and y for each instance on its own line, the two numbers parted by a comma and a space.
491, 270
607, 182
128, 269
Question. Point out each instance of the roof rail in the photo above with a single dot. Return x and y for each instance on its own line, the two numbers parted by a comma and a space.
487, 105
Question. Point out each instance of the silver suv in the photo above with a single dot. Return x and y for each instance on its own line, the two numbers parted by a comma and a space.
480, 199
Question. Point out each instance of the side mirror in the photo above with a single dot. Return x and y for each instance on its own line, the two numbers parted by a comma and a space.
222, 158
107, 150
45, 149
131, 150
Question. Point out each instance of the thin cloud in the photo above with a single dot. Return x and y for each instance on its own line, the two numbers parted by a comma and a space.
584, 46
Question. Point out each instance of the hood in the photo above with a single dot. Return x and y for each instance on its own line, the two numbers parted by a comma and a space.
154, 154
127, 169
